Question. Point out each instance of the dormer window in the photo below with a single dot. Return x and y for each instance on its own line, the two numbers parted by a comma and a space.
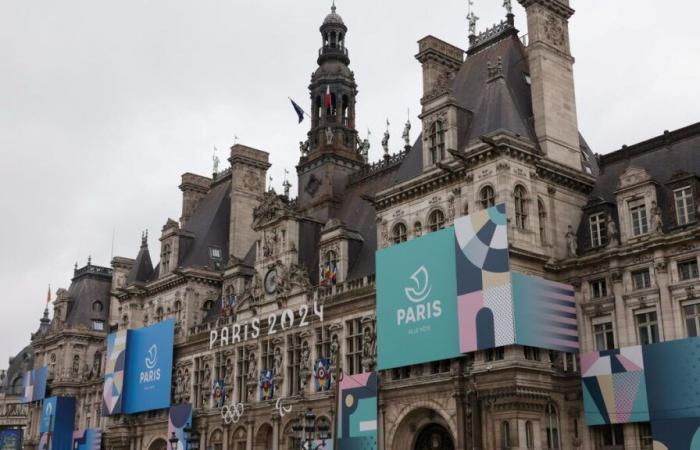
437, 142
638, 214
685, 211
599, 231
215, 253
165, 258
97, 307
98, 325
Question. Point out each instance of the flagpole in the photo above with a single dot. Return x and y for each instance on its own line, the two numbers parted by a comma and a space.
302, 110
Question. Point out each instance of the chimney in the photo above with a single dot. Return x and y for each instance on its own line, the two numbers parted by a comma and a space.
440, 61
194, 188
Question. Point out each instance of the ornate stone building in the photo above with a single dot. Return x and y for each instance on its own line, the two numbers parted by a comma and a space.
497, 126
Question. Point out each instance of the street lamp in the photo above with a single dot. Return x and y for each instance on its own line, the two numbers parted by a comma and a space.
305, 430
193, 441
173, 441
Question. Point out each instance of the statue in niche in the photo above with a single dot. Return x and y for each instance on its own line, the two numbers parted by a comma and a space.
329, 136
613, 236
277, 370
385, 141
304, 147
335, 348
252, 374
571, 245
369, 350
407, 133
304, 366
657, 225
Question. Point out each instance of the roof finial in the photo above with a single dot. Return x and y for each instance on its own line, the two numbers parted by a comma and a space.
508, 5
286, 184
333, 7
144, 238
472, 19
216, 161
89, 260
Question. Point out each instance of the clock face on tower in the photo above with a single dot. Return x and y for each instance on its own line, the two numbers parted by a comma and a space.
271, 281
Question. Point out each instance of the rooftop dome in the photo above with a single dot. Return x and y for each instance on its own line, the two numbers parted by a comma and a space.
333, 18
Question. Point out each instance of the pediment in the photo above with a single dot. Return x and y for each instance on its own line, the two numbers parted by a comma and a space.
633, 176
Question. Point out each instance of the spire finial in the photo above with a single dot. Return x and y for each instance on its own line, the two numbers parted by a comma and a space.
508, 5
333, 7
144, 238
216, 161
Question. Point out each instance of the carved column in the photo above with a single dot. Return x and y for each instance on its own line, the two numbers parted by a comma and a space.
275, 432
620, 310
249, 435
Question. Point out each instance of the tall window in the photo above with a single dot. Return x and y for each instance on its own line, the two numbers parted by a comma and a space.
165, 260
641, 279
604, 336
400, 233
542, 215
685, 211
487, 197
353, 347
638, 212
529, 435
645, 436
267, 355
552, 424
648, 327
599, 232
520, 198
294, 351
692, 319
687, 270
611, 436
505, 434
329, 269
436, 220
323, 342
437, 142
241, 371
599, 288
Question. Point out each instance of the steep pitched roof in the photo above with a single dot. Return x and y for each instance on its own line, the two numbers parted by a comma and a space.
89, 295
142, 270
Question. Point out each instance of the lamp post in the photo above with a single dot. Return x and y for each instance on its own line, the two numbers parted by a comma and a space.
173, 441
305, 430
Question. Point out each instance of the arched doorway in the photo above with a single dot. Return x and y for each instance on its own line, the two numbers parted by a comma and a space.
158, 444
434, 437
263, 438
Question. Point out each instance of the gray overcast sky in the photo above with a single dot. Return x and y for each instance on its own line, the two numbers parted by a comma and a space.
103, 104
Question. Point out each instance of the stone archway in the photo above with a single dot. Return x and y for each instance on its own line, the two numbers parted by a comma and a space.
158, 444
434, 437
418, 426
263, 438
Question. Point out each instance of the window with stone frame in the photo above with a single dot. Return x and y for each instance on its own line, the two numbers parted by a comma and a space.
505, 435
645, 437
401, 373
598, 229
639, 217
353, 347
436, 220
418, 229
329, 269
442, 366
437, 142
692, 319
531, 353
495, 354
599, 288
641, 279
529, 435
685, 206
267, 355
294, 350
688, 269
647, 327
487, 197
604, 334
552, 426
241, 371
165, 259
400, 233
542, 216
611, 437
520, 200
323, 342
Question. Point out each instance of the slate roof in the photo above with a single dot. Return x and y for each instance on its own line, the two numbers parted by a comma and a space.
90, 285
19, 364
142, 270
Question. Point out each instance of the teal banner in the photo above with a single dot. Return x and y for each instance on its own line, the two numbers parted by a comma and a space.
417, 301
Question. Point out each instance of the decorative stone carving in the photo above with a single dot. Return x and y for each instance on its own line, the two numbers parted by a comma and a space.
555, 31
305, 367
329, 136
253, 291
613, 234
369, 349
289, 279
277, 362
271, 207
304, 148
451, 208
657, 225
251, 181
571, 245
335, 348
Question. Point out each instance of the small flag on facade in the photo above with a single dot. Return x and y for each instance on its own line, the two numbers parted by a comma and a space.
298, 110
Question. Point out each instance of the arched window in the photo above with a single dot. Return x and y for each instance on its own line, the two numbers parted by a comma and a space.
436, 220
437, 142
418, 229
159, 314
542, 216
487, 197
97, 363
505, 434
529, 435
552, 424
178, 309
329, 269
97, 307
520, 198
400, 233
209, 304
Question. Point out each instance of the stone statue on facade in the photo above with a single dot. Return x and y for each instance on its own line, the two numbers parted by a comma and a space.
571, 245
613, 235
329, 136
364, 149
277, 362
473, 19
369, 350
216, 161
385, 141
335, 348
304, 366
657, 225
252, 374
407, 133
287, 186
304, 147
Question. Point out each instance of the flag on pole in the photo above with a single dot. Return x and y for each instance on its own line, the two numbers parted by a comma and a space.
329, 101
300, 112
